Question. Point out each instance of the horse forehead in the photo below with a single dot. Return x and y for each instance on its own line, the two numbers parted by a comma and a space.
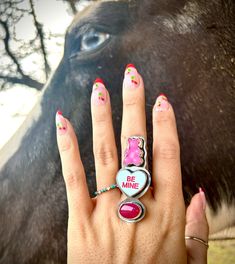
184, 21
87, 8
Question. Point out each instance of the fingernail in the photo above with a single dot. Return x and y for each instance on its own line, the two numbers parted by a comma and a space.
203, 198
162, 103
60, 123
131, 78
99, 93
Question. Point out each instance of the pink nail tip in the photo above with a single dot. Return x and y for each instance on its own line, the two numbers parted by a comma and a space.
99, 93
60, 122
133, 153
162, 103
130, 211
132, 78
200, 190
203, 198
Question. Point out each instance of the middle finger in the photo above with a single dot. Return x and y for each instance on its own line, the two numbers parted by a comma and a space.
134, 117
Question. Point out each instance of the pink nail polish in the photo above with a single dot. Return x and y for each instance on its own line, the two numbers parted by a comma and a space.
203, 198
161, 103
60, 123
131, 78
99, 93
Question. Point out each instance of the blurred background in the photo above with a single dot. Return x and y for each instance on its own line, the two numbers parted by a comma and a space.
31, 46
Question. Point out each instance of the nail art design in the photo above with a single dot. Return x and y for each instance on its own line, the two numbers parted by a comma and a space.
99, 94
60, 123
161, 103
132, 79
203, 198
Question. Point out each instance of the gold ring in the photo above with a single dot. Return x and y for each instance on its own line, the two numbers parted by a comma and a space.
198, 240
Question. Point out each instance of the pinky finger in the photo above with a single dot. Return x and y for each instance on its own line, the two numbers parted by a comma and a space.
197, 226
79, 201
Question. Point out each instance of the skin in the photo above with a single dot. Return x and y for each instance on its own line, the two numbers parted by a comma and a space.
95, 221
186, 54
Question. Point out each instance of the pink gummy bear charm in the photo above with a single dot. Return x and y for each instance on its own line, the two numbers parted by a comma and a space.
134, 152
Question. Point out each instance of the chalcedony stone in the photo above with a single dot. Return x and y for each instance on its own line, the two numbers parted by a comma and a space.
131, 210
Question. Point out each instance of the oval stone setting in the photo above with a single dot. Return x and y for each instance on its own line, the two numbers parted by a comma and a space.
131, 210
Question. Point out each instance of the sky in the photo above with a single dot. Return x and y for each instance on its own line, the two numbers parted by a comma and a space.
15, 103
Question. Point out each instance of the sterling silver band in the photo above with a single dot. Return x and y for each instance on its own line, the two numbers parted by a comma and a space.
198, 240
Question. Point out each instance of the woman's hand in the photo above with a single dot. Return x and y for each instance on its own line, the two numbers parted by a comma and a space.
95, 233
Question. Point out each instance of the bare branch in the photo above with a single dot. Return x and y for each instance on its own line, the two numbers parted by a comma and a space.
72, 5
23, 79
26, 80
6, 41
40, 33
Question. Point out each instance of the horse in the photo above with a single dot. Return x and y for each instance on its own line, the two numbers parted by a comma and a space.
182, 48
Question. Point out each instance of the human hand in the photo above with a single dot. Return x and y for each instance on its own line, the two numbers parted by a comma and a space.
95, 233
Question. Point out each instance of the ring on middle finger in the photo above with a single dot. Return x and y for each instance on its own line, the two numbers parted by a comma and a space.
133, 179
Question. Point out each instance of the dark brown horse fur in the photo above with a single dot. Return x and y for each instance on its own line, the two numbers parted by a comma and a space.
182, 48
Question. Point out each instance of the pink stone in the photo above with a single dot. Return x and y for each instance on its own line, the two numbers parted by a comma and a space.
130, 210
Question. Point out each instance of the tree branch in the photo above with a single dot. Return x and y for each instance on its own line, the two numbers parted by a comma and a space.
72, 6
23, 79
40, 33
26, 80
6, 41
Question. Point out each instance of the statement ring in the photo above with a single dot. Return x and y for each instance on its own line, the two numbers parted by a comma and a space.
133, 180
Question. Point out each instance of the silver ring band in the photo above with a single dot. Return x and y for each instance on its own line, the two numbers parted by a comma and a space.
198, 240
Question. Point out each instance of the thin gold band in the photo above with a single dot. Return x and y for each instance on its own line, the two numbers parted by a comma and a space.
198, 240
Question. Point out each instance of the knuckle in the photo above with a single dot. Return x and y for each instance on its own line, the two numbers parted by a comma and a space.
162, 119
165, 221
71, 179
168, 150
169, 223
100, 118
131, 101
65, 144
104, 156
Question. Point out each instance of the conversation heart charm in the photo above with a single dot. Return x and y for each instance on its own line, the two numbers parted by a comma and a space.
133, 182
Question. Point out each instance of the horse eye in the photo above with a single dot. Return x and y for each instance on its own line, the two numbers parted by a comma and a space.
92, 39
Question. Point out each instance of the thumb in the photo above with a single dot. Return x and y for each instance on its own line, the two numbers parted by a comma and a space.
197, 226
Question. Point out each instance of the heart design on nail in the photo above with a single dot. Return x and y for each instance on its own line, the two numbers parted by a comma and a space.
132, 183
